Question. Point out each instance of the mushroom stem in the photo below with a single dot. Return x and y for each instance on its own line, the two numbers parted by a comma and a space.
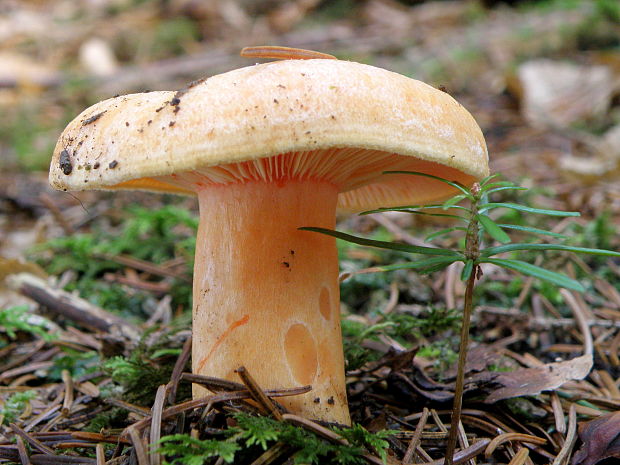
266, 294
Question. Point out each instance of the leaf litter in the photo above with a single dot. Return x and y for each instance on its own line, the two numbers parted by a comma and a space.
600, 440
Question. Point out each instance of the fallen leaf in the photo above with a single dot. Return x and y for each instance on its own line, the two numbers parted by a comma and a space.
532, 381
19, 70
603, 162
558, 94
479, 358
9, 266
601, 440
589, 169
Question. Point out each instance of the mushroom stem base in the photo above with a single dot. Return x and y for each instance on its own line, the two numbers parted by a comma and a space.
266, 294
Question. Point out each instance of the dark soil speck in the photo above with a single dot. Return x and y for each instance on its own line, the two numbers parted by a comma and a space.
65, 162
92, 119
157, 110
198, 81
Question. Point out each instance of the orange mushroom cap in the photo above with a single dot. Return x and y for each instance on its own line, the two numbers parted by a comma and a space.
339, 121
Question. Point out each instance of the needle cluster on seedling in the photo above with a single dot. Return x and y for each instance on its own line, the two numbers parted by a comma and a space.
475, 222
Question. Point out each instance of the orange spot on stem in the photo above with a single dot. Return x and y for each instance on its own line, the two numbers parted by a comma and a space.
234, 325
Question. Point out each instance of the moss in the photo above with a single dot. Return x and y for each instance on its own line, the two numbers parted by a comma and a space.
152, 235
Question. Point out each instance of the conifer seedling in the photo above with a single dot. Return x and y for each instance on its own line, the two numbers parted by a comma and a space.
478, 229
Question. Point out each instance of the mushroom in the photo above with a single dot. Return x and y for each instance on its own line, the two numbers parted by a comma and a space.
268, 149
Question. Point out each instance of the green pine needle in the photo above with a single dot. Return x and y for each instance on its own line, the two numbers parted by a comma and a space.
537, 272
385, 244
524, 208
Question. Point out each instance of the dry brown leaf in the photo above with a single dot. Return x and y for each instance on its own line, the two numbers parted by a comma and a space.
605, 161
20, 70
601, 440
12, 266
557, 94
589, 169
531, 381
479, 358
